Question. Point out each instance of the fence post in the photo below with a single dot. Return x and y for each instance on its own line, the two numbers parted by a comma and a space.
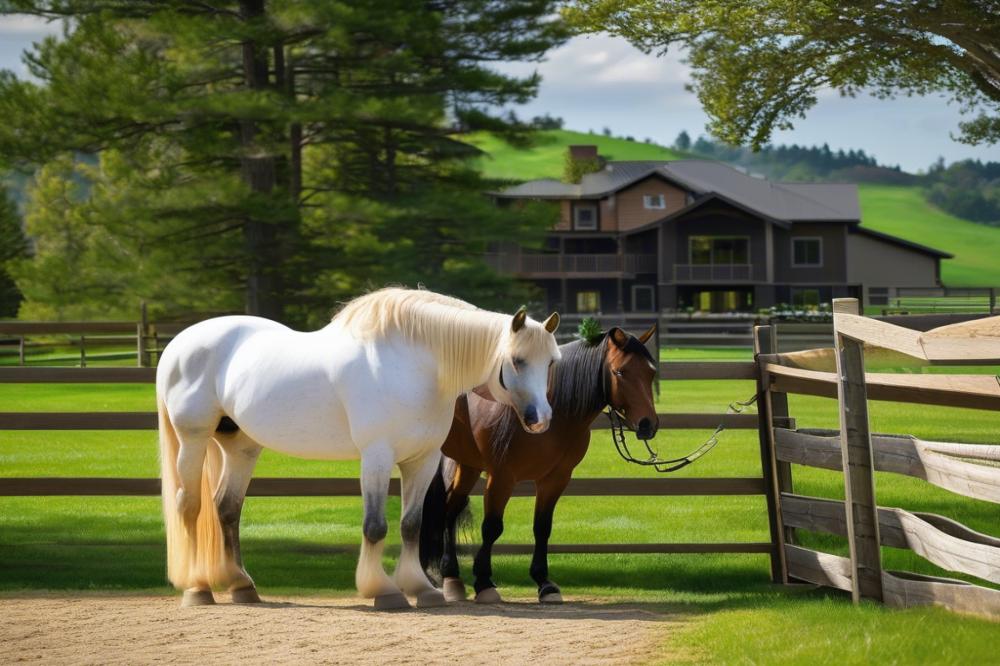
767, 402
856, 452
83, 352
140, 336
20, 350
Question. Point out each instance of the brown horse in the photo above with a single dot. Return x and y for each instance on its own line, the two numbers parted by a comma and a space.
614, 370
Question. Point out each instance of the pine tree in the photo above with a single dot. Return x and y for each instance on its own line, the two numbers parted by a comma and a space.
227, 107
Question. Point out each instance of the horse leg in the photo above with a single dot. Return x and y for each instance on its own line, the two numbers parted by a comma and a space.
416, 476
457, 502
370, 577
548, 491
196, 556
240, 457
499, 488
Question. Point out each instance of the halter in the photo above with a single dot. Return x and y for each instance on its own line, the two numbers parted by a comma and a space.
662, 465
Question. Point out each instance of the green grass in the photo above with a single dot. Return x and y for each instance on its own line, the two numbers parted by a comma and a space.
896, 210
736, 615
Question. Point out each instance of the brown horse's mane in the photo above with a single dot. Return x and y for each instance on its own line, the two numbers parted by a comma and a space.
577, 388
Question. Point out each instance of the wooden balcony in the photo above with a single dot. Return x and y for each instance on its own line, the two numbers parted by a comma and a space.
572, 265
684, 273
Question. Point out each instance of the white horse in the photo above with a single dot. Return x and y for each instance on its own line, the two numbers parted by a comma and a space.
378, 383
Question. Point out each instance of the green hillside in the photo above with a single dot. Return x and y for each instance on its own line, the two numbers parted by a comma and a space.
545, 158
897, 210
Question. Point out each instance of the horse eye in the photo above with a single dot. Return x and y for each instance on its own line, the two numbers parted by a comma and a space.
619, 373
517, 362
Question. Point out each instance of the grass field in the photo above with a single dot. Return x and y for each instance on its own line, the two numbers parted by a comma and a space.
736, 615
900, 211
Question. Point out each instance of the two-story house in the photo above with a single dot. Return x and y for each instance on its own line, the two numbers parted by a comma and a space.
661, 236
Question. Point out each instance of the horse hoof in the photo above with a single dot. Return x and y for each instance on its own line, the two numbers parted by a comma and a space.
391, 601
197, 598
454, 589
550, 598
246, 595
488, 596
430, 599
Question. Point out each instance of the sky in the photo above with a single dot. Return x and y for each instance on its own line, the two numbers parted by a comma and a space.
598, 81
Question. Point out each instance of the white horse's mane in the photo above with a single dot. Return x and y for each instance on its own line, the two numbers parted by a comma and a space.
465, 339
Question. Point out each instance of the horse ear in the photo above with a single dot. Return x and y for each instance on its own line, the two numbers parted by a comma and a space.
648, 334
552, 323
517, 323
619, 337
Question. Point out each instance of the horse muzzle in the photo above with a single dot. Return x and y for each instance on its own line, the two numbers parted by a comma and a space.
533, 421
646, 428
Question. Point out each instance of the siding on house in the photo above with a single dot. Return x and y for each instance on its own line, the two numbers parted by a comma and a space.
631, 209
877, 263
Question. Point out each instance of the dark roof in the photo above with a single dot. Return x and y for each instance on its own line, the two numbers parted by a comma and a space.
896, 240
780, 201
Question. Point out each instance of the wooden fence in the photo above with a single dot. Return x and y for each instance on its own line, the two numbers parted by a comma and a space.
970, 470
33, 342
349, 487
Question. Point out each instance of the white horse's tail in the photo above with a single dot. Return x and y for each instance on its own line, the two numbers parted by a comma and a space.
200, 561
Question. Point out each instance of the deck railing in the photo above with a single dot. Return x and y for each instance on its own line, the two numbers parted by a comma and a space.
713, 272
555, 264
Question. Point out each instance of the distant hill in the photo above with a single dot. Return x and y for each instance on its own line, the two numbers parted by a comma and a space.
900, 210
544, 159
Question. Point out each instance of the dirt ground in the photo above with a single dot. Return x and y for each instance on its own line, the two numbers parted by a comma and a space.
103, 629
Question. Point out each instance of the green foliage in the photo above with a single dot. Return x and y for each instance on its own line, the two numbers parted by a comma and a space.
804, 163
589, 330
759, 65
13, 247
576, 168
259, 155
969, 189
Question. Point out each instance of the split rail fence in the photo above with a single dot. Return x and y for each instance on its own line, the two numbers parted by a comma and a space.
970, 470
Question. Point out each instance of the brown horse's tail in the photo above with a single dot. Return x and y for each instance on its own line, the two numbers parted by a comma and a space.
434, 521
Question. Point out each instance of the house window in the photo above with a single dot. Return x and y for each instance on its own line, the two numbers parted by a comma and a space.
719, 250
805, 299
807, 252
642, 298
588, 301
585, 217
654, 201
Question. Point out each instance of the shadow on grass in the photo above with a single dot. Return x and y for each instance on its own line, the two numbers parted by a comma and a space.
658, 583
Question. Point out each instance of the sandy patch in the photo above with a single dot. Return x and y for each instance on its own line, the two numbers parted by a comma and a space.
142, 629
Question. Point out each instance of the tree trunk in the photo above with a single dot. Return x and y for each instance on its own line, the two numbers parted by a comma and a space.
263, 287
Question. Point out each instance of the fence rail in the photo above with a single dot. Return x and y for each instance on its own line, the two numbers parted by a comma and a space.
326, 487
971, 470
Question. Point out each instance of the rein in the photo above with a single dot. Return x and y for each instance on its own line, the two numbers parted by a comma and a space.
654, 460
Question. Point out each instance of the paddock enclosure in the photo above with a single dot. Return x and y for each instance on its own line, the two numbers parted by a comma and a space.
966, 470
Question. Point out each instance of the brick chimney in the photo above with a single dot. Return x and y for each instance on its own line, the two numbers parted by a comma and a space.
583, 152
